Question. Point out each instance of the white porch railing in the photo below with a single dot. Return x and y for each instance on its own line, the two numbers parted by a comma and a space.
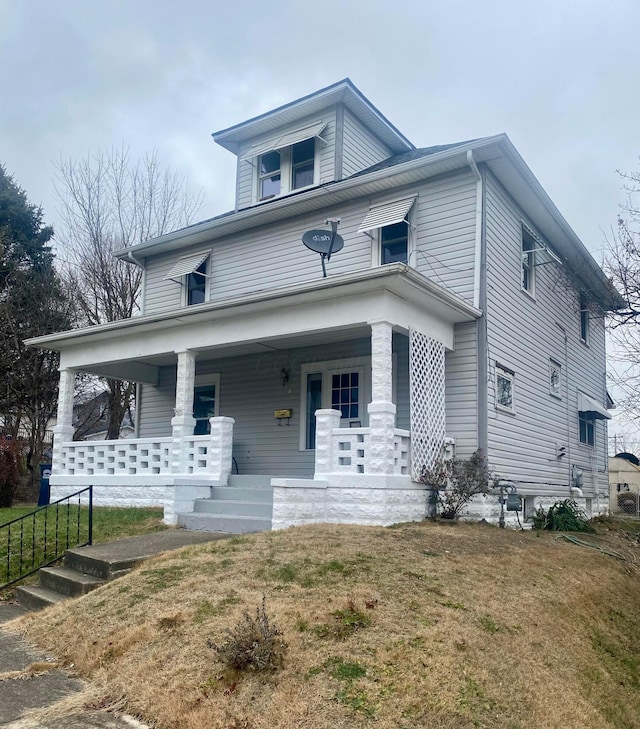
143, 456
193, 455
350, 446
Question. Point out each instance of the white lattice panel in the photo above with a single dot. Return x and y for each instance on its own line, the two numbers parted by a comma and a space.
349, 449
427, 390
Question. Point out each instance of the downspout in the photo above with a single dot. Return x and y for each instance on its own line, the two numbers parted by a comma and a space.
133, 259
480, 302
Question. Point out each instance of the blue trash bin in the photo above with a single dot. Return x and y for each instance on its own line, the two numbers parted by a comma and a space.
45, 489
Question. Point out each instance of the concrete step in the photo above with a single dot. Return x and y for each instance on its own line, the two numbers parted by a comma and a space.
250, 481
241, 493
80, 561
68, 582
33, 597
234, 507
224, 523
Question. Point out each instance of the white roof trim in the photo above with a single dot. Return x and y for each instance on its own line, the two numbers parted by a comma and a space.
587, 404
286, 140
387, 214
186, 265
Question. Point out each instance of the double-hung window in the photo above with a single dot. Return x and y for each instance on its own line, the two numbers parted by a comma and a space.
205, 402
197, 284
587, 428
286, 163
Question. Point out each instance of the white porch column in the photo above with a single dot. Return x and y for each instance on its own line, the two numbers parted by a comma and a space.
326, 421
63, 429
183, 422
221, 447
381, 409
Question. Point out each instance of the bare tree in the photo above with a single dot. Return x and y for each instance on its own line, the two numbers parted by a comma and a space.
623, 266
109, 202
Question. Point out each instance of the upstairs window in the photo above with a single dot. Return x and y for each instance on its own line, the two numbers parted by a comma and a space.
555, 378
528, 263
270, 175
394, 243
287, 162
584, 319
197, 284
190, 272
587, 429
389, 225
303, 157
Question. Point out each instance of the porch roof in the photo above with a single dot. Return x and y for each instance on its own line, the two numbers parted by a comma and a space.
338, 306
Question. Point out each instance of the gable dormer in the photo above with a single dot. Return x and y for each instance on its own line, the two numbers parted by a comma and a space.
324, 137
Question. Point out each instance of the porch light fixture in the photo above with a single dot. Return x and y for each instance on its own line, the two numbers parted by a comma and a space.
284, 376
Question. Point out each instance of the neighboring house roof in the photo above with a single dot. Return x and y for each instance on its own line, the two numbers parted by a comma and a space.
499, 155
628, 457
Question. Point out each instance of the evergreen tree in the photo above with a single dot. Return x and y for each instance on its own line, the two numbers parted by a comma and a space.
32, 303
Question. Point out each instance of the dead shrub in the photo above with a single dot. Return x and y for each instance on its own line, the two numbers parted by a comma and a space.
254, 644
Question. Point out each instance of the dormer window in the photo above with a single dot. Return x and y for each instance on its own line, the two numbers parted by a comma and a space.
286, 163
288, 169
303, 164
269, 183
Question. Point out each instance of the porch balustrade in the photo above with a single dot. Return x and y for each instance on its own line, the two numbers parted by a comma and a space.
194, 455
350, 446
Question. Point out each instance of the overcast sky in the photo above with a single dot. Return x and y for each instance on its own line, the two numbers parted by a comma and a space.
560, 77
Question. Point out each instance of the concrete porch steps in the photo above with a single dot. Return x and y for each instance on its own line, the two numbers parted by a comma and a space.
244, 506
87, 568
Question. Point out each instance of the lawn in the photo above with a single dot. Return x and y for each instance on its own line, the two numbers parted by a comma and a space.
47, 533
421, 625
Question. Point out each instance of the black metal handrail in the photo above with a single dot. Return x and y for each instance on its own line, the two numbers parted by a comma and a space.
42, 536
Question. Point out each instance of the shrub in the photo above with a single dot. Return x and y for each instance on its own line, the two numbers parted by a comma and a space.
457, 482
563, 516
255, 644
11, 468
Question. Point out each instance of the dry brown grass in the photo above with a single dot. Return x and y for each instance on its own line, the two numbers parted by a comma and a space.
467, 626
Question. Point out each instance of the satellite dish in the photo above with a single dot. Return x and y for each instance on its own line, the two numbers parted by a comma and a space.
324, 242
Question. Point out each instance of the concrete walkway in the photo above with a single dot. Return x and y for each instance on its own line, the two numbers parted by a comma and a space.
22, 692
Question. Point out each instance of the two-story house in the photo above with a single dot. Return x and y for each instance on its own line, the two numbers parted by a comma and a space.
461, 313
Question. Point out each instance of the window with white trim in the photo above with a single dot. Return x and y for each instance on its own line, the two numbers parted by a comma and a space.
587, 427
528, 262
505, 389
287, 169
555, 378
196, 286
394, 243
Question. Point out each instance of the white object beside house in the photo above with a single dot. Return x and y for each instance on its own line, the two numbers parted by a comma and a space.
462, 309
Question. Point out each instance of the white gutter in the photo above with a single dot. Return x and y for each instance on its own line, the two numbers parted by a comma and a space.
478, 241
288, 201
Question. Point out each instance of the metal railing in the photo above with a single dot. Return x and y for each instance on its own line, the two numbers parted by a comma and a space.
42, 536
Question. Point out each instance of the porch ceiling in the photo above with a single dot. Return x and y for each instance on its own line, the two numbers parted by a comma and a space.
329, 310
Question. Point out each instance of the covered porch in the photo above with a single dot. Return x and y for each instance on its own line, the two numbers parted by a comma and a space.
337, 384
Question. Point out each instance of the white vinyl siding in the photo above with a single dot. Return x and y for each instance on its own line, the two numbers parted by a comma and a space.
246, 187
361, 148
273, 256
523, 335
251, 389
